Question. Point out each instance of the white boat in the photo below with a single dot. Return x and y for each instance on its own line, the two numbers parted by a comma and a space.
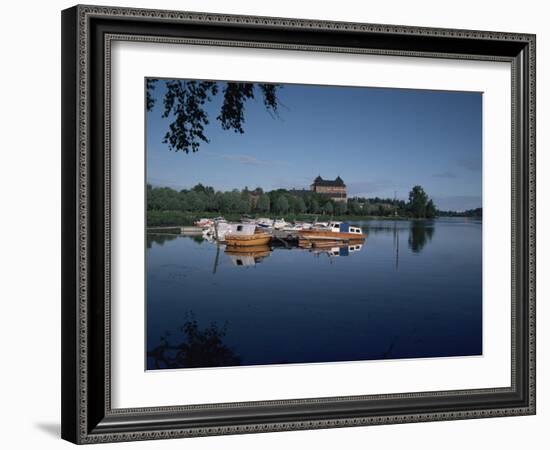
293, 228
203, 223
320, 224
264, 222
280, 224
334, 231
217, 223
298, 226
304, 225
219, 231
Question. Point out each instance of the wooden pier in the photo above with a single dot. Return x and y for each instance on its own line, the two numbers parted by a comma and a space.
285, 238
175, 230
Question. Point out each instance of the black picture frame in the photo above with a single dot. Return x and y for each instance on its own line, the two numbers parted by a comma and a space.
87, 416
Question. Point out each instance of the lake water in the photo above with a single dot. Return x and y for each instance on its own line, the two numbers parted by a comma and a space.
413, 290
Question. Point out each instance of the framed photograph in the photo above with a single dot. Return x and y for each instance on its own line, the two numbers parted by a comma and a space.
281, 224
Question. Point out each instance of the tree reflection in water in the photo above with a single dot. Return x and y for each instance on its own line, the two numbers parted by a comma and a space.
198, 238
420, 233
199, 347
159, 238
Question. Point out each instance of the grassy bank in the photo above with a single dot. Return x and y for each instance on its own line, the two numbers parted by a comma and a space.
181, 218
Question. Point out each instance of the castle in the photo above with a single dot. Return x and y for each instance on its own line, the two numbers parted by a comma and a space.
334, 189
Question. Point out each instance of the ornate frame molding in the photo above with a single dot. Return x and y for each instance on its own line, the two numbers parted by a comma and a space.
87, 422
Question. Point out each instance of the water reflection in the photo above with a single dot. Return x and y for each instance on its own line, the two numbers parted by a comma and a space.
248, 256
332, 301
197, 237
193, 347
332, 250
420, 234
159, 238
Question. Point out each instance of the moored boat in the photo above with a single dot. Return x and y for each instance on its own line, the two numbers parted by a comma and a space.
246, 235
203, 222
334, 231
264, 222
259, 238
279, 224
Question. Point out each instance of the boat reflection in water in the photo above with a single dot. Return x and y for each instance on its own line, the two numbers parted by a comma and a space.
248, 256
341, 250
328, 301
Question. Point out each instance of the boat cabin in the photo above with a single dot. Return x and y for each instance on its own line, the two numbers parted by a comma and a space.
242, 229
344, 227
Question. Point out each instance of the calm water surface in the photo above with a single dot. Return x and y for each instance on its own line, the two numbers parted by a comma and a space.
412, 290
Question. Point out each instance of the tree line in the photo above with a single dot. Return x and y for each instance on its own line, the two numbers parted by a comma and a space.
282, 201
476, 212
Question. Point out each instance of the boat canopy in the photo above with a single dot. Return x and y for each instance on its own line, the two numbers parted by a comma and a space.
242, 229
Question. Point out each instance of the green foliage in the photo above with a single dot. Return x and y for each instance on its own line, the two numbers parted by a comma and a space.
184, 102
420, 206
264, 204
328, 208
354, 207
314, 206
340, 208
300, 205
430, 209
182, 207
281, 206
169, 218
417, 202
477, 212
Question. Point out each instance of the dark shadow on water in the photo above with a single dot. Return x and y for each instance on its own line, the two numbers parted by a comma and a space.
420, 233
198, 238
194, 347
159, 238
53, 429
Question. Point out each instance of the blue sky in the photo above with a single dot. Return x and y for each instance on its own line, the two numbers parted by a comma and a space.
380, 141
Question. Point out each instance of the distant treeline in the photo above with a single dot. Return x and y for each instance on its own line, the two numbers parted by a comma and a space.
477, 212
284, 202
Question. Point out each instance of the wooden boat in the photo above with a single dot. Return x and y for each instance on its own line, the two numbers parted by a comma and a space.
247, 240
334, 231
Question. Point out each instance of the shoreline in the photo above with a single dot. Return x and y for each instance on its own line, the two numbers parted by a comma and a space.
183, 219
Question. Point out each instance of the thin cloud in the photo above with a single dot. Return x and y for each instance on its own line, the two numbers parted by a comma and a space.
247, 160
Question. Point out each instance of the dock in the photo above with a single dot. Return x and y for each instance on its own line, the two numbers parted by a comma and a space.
285, 238
175, 230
